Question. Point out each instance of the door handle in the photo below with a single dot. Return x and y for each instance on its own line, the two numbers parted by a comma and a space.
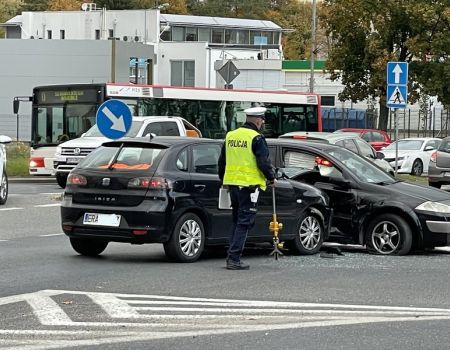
200, 187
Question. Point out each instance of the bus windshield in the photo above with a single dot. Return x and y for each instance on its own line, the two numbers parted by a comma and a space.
60, 123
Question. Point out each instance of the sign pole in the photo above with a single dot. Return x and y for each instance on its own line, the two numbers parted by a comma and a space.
396, 140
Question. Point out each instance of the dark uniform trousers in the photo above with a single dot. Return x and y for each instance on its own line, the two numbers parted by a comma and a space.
244, 212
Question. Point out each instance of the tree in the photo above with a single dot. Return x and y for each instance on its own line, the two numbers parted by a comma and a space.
34, 5
64, 5
8, 9
174, 6
115, 4
365, 35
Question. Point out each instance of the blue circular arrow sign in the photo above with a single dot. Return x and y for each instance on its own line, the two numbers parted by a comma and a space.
114, 119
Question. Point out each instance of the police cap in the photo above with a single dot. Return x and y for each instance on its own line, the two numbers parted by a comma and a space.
256, 112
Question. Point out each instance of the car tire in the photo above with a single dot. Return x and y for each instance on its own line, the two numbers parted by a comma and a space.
308, 235
61, 179
417, 168
389, 234
4, 188
88, 247
187, 240
435, 184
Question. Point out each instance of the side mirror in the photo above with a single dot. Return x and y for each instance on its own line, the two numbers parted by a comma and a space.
339, 181
5, 139
429, 148
380, 155
280, 174
16, 104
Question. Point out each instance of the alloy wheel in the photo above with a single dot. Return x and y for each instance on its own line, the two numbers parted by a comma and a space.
310, 232
417, 168
190, 237
386, 237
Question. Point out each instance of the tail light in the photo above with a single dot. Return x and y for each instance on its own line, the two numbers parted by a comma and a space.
324, 162
433, 157
37, 163
76, 180
299, 137
147, 182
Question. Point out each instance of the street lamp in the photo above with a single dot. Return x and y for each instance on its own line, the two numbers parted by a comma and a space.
313, 45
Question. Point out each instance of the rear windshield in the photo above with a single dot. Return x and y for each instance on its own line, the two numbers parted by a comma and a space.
445, 146
128, 158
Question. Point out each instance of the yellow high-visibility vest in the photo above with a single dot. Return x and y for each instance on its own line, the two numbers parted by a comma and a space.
241, 168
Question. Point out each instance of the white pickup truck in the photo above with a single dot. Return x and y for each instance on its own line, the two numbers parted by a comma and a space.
70, 153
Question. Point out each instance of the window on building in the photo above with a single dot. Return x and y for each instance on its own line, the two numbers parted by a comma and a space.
256, 38
97, 34
276, 38
204, 34
182, 73
243, 37
217, 36
178, 33
165, 33
62, 34
230, 36
191, 34
269, 36
110, 33
327, 100
49, 34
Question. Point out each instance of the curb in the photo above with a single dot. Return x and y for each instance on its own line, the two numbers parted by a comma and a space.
34, 179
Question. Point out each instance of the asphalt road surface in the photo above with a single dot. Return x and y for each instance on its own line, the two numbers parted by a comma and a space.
131, 297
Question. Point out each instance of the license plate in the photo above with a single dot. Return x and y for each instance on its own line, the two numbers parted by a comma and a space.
446, 174
73, 160
111, 220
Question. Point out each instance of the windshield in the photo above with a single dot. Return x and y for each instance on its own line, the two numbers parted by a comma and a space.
55, 124
363, 169
407, 145
95, 132
129, 158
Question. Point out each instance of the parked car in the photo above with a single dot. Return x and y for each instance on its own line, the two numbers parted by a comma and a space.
413, 154
70, 153
369, 206
3, 176
439, 167
376, 138
348, 140
165, 190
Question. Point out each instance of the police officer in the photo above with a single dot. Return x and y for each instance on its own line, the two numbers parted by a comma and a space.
244, 165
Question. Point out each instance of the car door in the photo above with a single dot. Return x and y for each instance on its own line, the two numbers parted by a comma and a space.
342, 198
205, 185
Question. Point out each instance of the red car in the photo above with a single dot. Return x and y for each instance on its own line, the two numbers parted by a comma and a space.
377, 138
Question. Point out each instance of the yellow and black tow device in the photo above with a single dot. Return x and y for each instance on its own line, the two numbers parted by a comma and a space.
275, 227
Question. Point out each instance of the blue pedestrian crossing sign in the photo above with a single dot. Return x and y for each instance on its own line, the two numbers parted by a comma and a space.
114, 119
397, 84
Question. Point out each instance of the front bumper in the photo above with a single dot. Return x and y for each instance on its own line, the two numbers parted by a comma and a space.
151, 215
436, 229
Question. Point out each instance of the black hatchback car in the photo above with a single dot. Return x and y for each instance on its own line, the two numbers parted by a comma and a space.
370, 207
165, 190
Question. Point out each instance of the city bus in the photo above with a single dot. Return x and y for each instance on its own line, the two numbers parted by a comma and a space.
64, 112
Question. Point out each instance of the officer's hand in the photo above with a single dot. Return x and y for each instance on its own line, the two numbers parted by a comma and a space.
272, 182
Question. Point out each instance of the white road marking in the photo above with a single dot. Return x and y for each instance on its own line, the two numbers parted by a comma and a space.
3, 240
186, 317
7, 209
52, 235
48, 205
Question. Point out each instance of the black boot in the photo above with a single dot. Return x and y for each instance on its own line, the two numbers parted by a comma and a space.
236, 265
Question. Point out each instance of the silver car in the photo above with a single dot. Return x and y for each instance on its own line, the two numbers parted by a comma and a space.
439, 167
348, 140
3, 177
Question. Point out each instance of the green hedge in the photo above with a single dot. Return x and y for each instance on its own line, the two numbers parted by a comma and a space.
18, 155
